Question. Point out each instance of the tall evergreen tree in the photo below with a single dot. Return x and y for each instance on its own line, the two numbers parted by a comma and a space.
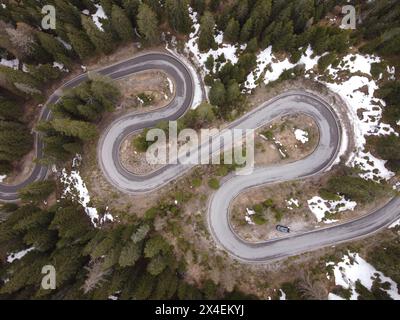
54, 48
247, 30
100, 39
74, 128
232, 31
67, 13
81, 43
121, 24
206, 37
9, 110
148, 24
15, 140
37, 191
131, 7
178, 15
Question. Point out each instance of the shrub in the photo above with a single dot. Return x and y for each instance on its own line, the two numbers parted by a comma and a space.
213, 183
196, 182
259, 219
268, 203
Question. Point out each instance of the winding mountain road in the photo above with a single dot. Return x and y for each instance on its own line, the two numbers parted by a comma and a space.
219, 205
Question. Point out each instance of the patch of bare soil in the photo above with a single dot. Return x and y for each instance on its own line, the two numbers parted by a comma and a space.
147, 90
277, 142
133, 160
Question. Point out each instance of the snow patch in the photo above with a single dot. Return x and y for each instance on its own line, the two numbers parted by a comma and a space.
395, 224
18, 255
98, 15
301, 135
320, 207
248, 215
60, 66
76, 188
292, 204
170, 85
65, 44
10, 63
353, 268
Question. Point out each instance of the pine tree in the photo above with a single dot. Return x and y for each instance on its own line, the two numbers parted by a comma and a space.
247, 30
199, 6
54, 47
37, 191
154, 246
260, 16
148, 24
304, 12
217, 93
67, 13
19, 82
72, 223
10, 110
232, 93
178, 15
15, 140
232, 31
81, 43
130, 254
156, 265
206, 37
100, 39
5, 167
121, 24
44, 72
144, 286
74, 128
107, 6
167, 284
282, 36
141, 233
131, 7
242, 10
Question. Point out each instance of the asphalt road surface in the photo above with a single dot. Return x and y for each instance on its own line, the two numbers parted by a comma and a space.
219, 204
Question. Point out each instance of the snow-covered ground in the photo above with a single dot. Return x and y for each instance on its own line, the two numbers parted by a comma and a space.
320, 207
76, 188
18, 255
353, 268
65, 44
395, 224
229, 51
60, 66
269, 68
301, 135
249, 213
292, 204
98, 15
10, 63
170, 85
